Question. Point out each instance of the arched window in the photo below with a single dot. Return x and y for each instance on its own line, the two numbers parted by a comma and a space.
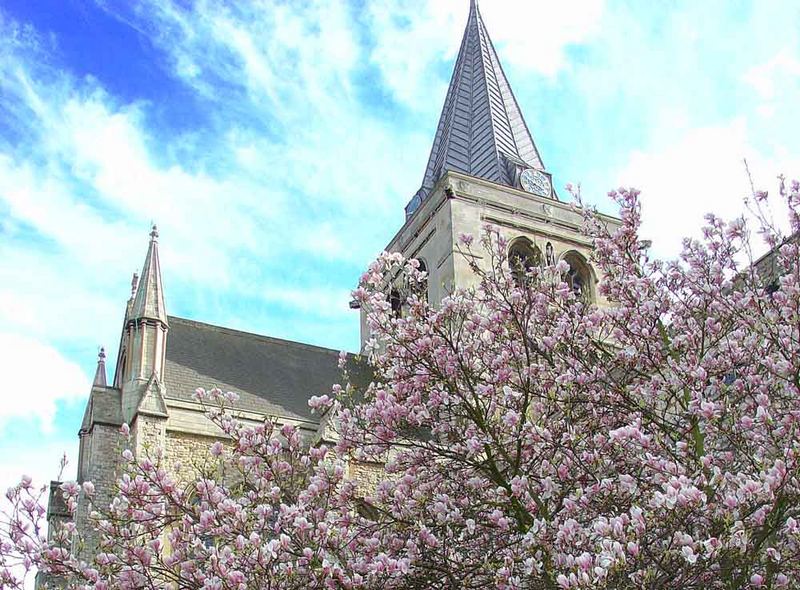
424, 285
579, 276
396, 302
522, 257
576, 280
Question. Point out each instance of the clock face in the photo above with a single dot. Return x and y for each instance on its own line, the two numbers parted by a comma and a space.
535, 181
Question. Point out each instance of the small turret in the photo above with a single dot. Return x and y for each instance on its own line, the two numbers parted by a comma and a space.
100, 373
140, 365
148, 301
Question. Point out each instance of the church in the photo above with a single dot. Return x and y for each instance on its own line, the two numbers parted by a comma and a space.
484, 169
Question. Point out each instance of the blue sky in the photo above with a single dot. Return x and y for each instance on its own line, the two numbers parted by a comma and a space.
276, 143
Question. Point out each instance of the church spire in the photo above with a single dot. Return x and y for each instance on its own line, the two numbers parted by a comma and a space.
100, 373
148, 303
481, 131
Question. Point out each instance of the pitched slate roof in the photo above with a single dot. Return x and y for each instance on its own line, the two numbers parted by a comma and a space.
271, 376
104, 407
481, 129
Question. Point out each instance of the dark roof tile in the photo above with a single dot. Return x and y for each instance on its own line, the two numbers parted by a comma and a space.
272, 376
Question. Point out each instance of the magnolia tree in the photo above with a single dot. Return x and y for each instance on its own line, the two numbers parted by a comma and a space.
531, 439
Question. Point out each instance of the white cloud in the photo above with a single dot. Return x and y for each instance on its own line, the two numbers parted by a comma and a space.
775, 82
35, 377
413, 39
410, 40
326, 302
767, 78
51, 298
41, 462
99, 173
536, 35
701, 172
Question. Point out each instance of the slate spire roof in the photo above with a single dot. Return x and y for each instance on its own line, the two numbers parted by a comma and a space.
481, 131
148, 303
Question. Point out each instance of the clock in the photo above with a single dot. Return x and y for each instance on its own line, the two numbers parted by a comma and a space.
536, 182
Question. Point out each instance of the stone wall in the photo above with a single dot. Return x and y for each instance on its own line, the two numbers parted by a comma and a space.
103, 446
148, 433
181, 443
366, 475
187, 453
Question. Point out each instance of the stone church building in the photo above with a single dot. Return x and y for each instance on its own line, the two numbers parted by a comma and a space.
484, 168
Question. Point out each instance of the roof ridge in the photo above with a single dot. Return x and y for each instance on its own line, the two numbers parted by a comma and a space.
255, 336
484, 80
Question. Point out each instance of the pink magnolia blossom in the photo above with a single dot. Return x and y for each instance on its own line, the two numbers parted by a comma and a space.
531, 439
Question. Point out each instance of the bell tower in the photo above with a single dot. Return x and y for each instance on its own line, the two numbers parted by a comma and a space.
485, 169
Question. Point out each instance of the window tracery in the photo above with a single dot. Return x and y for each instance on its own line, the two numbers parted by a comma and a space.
579, 276
424, 284
523, 256
396, 302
